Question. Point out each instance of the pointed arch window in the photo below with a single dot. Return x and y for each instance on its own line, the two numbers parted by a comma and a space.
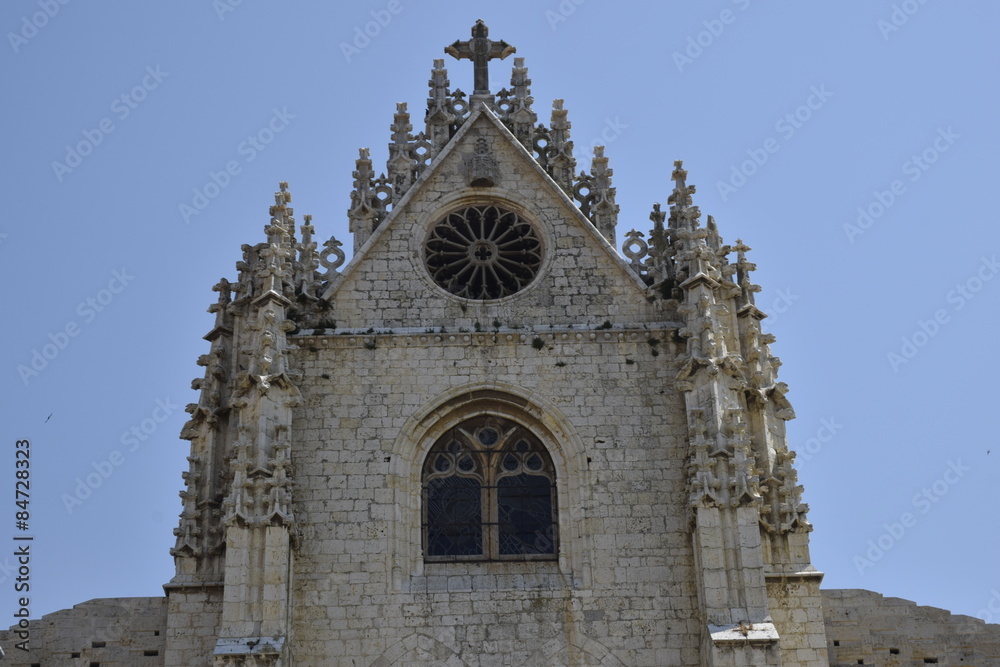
489, 493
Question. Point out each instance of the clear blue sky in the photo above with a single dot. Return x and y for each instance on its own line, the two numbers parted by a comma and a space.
887, 108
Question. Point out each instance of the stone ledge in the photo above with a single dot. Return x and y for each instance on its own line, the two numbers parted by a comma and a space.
250, 646
743, 633
408, 337
774, 575
191, 586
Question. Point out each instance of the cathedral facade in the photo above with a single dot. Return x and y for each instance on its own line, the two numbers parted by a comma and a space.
491, 438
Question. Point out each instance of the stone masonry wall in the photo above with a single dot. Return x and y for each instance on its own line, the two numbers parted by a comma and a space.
623, 590
865, 628
109, 632
193, 626
601, 400
796, 607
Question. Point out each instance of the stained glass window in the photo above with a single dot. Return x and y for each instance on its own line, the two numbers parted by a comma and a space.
489, 493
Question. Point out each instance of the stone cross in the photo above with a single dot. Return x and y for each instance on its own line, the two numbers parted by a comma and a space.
480, 50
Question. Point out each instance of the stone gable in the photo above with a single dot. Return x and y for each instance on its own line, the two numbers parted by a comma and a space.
582, 280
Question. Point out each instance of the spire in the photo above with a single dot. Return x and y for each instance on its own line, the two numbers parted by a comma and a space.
363, 213
683, 215
723, 482
440, 116
276, 255
746, 505
515, 105
307, 262
401, 166
603, 209
743, 270
560, 160
661, 252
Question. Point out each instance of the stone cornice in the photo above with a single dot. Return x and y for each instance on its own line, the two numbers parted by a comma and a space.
409, 337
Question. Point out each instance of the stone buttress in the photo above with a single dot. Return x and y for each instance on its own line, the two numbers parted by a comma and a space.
237, 533
748, 525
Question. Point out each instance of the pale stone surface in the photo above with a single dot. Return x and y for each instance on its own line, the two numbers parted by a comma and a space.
681, 537
652, 390
860, 625
865, 626
111, 632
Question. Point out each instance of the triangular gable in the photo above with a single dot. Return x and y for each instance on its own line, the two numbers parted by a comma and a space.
480, 115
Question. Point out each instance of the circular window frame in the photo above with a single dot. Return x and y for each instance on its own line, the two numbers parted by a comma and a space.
485, 245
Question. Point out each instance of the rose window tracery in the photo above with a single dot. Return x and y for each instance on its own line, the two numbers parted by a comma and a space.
483, 252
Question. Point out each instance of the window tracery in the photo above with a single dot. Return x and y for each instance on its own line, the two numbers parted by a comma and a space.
483, 252
489, 494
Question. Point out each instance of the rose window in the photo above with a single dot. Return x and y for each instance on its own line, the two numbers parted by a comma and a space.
483, 252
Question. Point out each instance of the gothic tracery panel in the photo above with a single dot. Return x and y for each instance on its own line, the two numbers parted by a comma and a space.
489, 494
483, 252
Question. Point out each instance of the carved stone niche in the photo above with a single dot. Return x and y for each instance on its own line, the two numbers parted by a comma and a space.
482, 168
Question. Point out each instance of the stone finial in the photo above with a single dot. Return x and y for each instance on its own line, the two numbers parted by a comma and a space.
275, 273
603, 209
307, 262
660, 250
560, 160
514, 105
683, 214
225, 290
440, 114
400, 126
281, 229
363, 211
519, 82
743, 270
401, 166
